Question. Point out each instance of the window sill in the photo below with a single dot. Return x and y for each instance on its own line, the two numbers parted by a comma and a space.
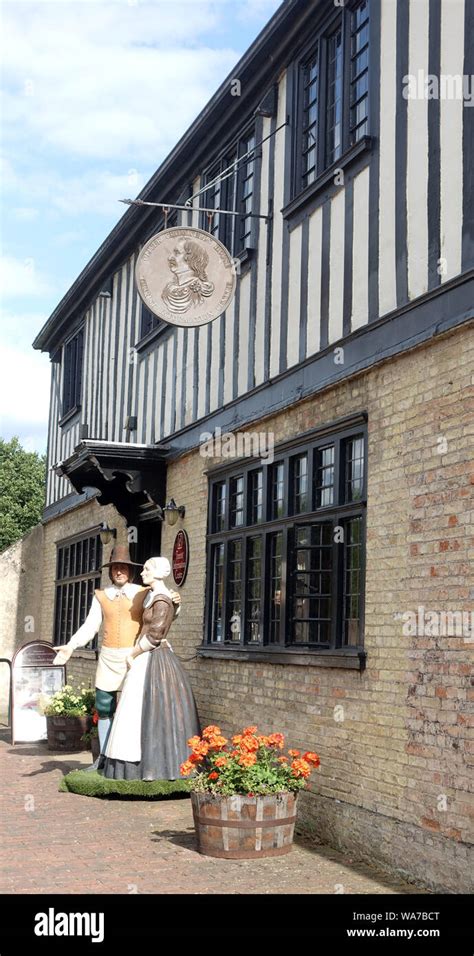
245, 255
344, 162
151, 336
85, 653
69, 415
347, 658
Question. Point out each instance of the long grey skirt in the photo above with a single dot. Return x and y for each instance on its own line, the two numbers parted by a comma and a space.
169, 718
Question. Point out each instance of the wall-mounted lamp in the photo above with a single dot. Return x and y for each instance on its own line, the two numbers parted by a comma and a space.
106, 533
172, 511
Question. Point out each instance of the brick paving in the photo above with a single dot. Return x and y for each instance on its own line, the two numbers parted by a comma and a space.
65, 843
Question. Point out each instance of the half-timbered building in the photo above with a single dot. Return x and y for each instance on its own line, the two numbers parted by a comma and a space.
334, 502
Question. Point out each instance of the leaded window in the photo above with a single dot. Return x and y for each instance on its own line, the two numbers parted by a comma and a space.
310, 120
359, 94
231, 186
255, 494
78, 574
334, 95
332, 92
286, 548
72, 379
278, 490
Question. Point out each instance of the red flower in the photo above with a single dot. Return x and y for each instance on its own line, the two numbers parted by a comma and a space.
213, 776
95, 717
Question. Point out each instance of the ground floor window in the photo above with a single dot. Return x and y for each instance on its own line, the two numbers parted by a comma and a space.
286, 547
78, 564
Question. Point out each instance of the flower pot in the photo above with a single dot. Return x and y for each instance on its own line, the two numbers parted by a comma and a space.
244, 828
64, 733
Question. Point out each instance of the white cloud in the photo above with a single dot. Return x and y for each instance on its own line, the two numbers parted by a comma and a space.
97, 192
18, 329
24, 374
116, 80
20, 277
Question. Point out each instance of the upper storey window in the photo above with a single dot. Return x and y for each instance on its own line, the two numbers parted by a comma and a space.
232, 187
359, 73
72, 381
148, 322
333, 94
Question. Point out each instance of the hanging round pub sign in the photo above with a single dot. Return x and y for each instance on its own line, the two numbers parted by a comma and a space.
185, 276
180, 557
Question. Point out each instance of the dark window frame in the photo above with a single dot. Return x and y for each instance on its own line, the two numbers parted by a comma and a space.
149, 325
73, 364
149, 322
339, 513
74, 592
230, 190
318, 45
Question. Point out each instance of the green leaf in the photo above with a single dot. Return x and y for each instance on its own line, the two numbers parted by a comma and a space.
22, 491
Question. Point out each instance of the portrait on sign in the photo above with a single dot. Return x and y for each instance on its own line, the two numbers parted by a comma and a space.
185, 276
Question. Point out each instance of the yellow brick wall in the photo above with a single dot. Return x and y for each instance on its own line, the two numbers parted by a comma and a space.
395, 761
398, 760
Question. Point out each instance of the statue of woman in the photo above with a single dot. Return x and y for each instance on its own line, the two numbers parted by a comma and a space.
157, 712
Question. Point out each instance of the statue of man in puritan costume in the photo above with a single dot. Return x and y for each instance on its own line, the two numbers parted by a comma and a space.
119, 608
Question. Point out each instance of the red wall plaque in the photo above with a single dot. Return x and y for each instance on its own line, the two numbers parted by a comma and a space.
180, 557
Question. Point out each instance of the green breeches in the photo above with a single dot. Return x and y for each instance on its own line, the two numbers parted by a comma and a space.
105, 702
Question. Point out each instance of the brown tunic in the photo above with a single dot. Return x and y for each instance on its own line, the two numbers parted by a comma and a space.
157, 619
122, 619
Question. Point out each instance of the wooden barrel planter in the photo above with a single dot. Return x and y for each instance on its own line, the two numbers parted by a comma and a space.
244, 828
64, 733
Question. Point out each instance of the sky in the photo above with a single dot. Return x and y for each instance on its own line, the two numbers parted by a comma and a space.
94, 95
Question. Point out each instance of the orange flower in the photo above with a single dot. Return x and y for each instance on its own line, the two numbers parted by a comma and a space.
276, 740
234, 753
294, 753
221, 762
216, 742
236, 740
212, 729
282, 759
300, 768
249, 730
201, 750
186, 768
311, 758
213, 776
199, 753
194, 742
263, 741
247, 760
249, 744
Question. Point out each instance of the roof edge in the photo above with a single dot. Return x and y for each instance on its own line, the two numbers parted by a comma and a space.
46, 340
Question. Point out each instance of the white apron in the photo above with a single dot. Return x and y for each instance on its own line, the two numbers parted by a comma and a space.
124, 741
112, 668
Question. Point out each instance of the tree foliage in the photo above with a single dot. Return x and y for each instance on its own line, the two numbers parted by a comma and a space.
22, 490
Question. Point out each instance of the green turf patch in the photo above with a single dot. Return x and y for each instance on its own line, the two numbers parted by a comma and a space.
93, 784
